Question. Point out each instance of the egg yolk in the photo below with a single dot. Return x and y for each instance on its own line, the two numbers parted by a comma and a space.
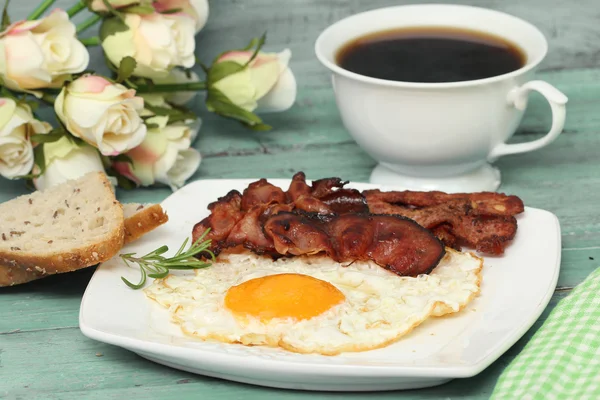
283, 296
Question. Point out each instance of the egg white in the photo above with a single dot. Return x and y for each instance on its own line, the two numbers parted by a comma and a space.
379, 306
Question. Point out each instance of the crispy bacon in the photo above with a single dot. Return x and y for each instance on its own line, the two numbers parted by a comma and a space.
312, 204
322, 187
325, 196
298, 188
402, 231
483, 203
248, 232
483, 221
225, 213
345, 201
393, 242
444, 233
261, 192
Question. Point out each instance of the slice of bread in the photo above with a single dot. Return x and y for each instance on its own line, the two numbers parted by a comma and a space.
64, 228
141, 219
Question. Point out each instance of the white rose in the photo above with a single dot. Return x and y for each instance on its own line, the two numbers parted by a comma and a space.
103, 114
178, 76
197, 9
158, 100
158, 42
66, 160
41, 54
17, 124
164, 157
266, 85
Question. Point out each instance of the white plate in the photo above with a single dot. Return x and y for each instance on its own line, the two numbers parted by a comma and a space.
515, 290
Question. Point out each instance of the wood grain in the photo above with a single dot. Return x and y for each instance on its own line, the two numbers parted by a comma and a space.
43, 354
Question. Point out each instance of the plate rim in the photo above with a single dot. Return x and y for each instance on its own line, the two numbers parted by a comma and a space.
342, 370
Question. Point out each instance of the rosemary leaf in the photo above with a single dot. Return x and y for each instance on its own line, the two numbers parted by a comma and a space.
155, 265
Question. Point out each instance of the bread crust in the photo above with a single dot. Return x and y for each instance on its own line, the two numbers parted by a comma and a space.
10, 276
17, 267
144, 221
15, 273
70, 261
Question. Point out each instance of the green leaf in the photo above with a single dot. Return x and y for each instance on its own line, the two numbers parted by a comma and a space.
110, 26
260, 127
171, 11
140, 9
152, 126
155, 265
259, 44
122, 158
34, 105
113, 11
75, 140
40, 158
140, 284
221, 70
218, 103
252, 44
125, 183
126, 68
7, 93
158, 110
47, 137
5, 17
256, 43
175, 114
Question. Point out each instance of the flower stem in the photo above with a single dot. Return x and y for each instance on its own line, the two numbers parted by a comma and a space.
76, 8
40, 9
91, 21
91, 41
48, 99
171, 87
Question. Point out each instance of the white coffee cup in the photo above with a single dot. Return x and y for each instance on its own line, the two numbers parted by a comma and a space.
439, 136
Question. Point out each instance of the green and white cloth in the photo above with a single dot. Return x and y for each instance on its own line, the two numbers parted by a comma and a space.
562, 359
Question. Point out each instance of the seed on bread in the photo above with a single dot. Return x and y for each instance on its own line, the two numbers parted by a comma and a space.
54, 221
149, 216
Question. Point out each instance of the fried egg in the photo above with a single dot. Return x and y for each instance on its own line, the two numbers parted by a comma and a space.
313, 304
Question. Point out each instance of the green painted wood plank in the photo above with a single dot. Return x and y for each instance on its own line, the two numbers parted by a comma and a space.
117, 374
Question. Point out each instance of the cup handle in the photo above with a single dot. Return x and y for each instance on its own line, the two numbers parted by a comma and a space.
518, 98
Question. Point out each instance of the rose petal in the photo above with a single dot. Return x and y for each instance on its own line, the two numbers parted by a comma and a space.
281, 97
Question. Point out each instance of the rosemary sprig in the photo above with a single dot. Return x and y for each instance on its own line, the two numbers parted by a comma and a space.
155, 265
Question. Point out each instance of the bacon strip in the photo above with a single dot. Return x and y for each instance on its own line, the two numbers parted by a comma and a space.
393, 242
261, 192
225, 213
484, 221
483, 203
348, 225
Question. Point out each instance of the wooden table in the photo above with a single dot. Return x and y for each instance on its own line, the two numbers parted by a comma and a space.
44, 355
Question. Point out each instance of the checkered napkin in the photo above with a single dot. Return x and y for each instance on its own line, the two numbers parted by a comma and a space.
562, 359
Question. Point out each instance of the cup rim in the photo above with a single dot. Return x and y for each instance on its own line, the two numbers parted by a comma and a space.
332, 66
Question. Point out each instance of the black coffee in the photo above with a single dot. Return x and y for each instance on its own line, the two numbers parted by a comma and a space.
430, 55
